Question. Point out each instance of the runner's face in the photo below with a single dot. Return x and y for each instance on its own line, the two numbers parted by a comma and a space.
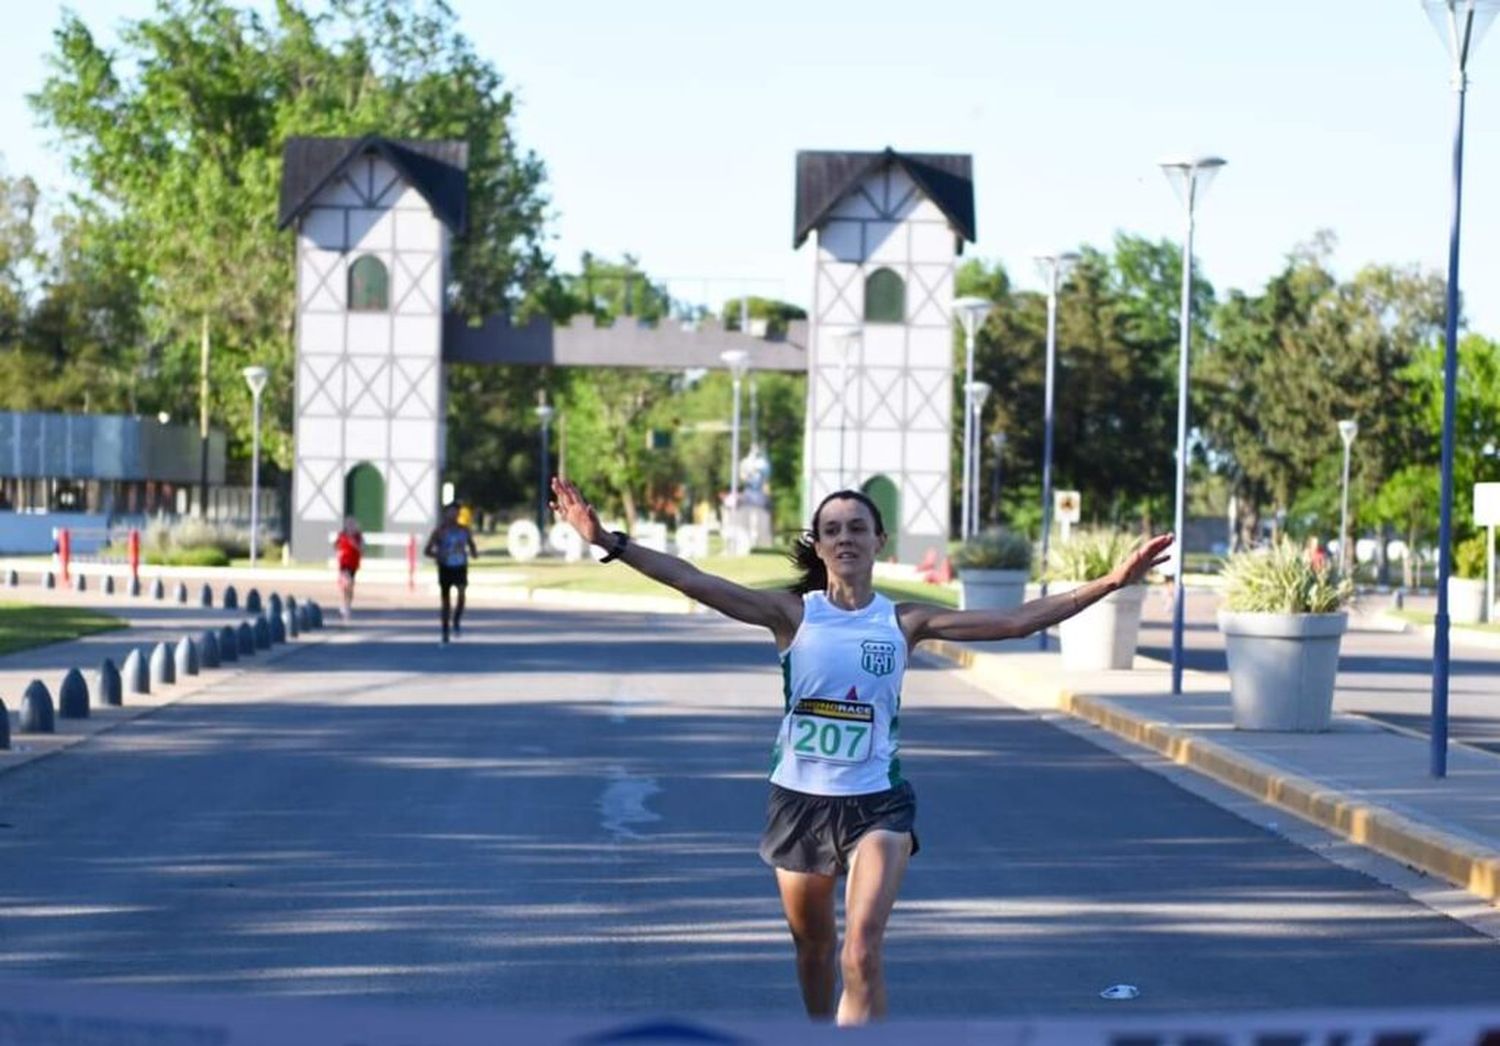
846, 541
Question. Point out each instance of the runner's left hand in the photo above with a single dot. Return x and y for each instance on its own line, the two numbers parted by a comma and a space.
1134, 567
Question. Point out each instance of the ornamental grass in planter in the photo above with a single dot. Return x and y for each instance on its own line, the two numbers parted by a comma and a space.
993, 568
1282, 620
1103, 635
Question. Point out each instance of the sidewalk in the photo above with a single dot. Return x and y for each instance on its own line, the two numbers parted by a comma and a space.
1360, 781
148, 622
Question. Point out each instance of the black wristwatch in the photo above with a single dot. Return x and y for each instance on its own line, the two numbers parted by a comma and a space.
621, 540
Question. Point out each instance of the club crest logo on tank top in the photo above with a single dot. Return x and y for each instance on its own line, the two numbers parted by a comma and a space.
877, 657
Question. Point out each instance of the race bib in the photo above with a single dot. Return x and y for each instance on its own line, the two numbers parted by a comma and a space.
833, 731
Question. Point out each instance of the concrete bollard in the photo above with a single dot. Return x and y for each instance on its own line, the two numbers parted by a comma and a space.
304, 618
36, 710
158, 590
185, 657
180, 593
135, 586
252, 601
135, 674
109, 585
73, 696
229, 644
289, 623
273, 605
206, 595
261, 630
317, 614
277, 628
48, 580
246, 639
4, 726
80, 583
231, 598
12, 579
208, 649
108, 691
1398, 599
163, 671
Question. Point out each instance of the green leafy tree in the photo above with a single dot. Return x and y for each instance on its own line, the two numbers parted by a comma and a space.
177, 136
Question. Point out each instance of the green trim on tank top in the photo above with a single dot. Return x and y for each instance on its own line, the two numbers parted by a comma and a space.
894, 774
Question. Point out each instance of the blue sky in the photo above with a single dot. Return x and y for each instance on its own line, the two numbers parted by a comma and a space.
669, 128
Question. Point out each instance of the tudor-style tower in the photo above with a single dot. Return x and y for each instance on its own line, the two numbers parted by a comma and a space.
888, 229
374, 218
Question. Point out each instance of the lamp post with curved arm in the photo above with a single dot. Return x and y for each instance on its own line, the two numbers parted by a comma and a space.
1190, 178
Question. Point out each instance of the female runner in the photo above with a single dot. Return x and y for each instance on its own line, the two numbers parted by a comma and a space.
839, 805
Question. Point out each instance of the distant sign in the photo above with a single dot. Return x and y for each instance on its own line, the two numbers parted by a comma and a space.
1487, 504
1067, 504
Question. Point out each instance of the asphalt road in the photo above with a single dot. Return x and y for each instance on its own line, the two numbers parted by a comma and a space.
559, 814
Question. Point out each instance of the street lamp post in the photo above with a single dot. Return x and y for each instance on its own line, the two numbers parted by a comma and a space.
255, 377
1460, 23
997, 451
1054, 269
971, 312
1348, 429
544, 412
738, 361
979, 391
1189, 177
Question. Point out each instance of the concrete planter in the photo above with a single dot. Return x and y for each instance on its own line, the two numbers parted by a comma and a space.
1466, 601
985, 589
1104, 635
1282, 668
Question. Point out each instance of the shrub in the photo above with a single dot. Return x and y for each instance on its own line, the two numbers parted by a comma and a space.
1281, 580
203, 556
1089, 555
1469, 558
994, 550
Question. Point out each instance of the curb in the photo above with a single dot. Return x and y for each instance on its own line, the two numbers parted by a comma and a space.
100, 721
1443, 855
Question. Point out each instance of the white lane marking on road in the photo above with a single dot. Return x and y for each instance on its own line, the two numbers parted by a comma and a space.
623, 803
621, 704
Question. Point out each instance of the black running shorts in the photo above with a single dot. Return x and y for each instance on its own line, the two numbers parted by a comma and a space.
818, 833
453, 577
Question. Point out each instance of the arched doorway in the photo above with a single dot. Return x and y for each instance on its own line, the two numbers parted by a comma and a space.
882, 490
364, 497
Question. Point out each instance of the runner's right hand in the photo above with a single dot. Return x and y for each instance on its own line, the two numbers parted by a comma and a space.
570, 507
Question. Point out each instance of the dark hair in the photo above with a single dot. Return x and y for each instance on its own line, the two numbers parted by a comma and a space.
805, 558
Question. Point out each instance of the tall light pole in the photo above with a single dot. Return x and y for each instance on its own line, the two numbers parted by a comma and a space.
971, 312
255, 377
848, 345
1348, 429
1054, 269
544, 412
1190, 178
203, 422
997, 452
1460, 23
979, 391
738, 361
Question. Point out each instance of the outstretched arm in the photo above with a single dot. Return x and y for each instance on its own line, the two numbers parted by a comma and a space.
778, 611
923, 621
430, 550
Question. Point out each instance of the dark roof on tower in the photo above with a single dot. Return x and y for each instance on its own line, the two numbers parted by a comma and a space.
436, 169
824, 178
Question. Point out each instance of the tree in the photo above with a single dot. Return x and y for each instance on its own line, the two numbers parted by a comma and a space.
1288, 363
178, 138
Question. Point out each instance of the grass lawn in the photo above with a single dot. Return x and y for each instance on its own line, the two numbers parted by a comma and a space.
25, 625
757, 570
1416, 617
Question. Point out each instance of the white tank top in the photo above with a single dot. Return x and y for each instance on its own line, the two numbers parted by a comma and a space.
842, 684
